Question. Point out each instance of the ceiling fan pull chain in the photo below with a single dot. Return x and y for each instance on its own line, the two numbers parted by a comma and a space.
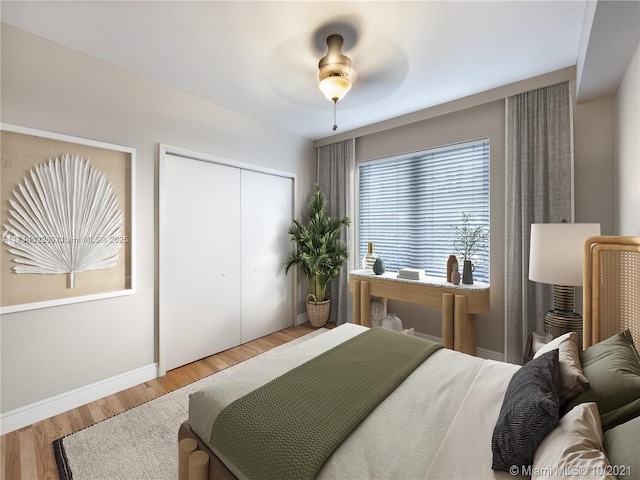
335, 126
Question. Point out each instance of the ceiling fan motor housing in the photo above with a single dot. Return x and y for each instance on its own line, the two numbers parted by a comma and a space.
334, 63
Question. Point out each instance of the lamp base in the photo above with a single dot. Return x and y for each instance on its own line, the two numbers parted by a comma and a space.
558, 323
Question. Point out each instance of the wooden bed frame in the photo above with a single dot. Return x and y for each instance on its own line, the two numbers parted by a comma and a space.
216, 470
611, 296
611, 303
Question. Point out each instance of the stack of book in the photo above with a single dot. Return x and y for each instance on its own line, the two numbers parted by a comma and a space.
411, 273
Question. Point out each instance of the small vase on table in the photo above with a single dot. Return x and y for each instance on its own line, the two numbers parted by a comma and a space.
455, 274
369, 258
467, 272
450, 262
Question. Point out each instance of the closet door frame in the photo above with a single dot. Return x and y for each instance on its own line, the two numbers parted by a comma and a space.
165, 150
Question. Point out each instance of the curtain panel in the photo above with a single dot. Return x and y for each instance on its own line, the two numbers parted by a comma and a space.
336, 177
539, 189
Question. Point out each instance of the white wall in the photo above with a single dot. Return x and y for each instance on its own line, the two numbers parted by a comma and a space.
627, 149
53, 351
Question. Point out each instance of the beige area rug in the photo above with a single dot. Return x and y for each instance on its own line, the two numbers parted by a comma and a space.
141, 443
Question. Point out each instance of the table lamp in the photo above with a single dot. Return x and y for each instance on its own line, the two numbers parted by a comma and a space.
556, 257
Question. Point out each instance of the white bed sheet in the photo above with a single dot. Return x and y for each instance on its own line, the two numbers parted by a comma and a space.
437, 424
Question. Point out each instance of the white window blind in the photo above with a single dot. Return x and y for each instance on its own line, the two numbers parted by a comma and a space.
407, 205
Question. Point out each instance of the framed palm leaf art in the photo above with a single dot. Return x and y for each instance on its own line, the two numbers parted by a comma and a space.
66, 219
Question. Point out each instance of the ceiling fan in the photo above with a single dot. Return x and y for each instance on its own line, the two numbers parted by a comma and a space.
335, 68
338, 58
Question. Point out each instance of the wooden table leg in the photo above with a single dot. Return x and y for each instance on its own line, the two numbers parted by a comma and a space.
464, 327
447, 320
365, 304
460, 323
471, 336
356, 302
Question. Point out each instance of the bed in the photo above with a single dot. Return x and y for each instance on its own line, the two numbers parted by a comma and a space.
454, 415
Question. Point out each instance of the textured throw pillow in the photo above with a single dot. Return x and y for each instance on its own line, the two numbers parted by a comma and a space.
529, 411
613, 369
572, 380
573, 448
622, 445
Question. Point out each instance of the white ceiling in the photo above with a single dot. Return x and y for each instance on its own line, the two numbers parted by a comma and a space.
260, 58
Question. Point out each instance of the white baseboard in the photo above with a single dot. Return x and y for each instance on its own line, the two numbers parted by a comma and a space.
301, 318
35, 412
482, 352
490, 355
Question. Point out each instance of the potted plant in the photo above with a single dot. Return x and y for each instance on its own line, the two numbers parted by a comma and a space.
471, 244
319, 253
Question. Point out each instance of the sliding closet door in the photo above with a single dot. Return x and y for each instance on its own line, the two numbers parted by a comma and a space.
267, 293
200, 246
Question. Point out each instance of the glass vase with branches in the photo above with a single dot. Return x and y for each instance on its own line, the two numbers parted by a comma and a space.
471, 241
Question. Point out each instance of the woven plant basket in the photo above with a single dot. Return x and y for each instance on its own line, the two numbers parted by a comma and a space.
318, 312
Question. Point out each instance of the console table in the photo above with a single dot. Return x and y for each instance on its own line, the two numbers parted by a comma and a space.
459, 303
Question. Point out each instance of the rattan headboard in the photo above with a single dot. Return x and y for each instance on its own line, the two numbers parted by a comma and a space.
611, 288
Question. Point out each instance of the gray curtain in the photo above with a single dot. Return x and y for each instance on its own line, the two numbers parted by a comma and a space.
539, 184
336, 177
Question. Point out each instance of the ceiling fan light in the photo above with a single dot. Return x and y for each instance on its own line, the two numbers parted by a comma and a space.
334, 70
335, 87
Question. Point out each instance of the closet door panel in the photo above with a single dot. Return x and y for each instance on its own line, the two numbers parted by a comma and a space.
201, 259
267, 293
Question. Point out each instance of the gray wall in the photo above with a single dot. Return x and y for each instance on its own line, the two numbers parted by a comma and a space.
594, 163
594, 181
483, 121
51, 351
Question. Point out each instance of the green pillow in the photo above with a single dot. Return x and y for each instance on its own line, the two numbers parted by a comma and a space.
621, 447
613, 370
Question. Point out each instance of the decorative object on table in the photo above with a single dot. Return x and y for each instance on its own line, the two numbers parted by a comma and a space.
369, 258
378, 266
67, 219
471, 244
455, 274
319, 253
467, 272
378, 311
392, 322
411, 273
450, 262
555, 257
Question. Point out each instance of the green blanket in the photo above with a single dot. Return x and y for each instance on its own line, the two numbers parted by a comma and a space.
288, 428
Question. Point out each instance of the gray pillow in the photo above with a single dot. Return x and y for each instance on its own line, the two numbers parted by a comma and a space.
621, 445
613, 369
530, 410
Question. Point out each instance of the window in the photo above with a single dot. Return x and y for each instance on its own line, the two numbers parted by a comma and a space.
408, 203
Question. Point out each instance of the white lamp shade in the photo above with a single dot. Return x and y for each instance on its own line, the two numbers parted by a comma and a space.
556, 252
334, 87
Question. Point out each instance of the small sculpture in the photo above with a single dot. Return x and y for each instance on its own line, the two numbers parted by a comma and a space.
455, 274
378, 266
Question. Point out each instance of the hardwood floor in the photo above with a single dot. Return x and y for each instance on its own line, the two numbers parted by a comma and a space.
27, 454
